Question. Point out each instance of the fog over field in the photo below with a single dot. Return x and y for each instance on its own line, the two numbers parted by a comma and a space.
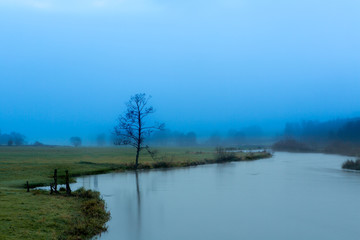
68, 67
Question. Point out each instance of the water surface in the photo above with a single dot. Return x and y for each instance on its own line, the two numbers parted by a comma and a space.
290, 196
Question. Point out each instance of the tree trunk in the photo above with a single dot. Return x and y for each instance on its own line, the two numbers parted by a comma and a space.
137, 157
138, 140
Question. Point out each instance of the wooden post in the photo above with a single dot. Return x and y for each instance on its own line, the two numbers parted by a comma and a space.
27, 186
55, 181
68, 190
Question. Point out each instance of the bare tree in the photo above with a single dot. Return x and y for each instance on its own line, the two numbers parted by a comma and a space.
18, 138
75, 141
132, 128
101, 139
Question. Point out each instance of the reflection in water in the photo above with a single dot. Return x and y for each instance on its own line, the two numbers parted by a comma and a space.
96, 184
138, 230
290, 196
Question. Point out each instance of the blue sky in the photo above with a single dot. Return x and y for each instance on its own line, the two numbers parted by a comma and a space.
67, 67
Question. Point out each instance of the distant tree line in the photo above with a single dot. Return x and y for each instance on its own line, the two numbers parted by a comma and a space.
316, 131
233, 137
173, 138
341, 136
11, 139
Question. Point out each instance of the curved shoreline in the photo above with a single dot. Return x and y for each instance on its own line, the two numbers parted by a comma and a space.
250, 156
27, 211
170, 165
190, 189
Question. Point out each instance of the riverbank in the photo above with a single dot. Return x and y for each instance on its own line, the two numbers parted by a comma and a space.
38, 215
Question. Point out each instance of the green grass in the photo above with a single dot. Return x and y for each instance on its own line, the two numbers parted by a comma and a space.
34, 216
38, 215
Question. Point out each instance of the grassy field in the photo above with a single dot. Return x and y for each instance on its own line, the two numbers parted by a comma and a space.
38, 215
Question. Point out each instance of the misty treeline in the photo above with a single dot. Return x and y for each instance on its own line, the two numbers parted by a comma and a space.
340, 129
160, 138
173, 138
232, 137
12, 138
336, 136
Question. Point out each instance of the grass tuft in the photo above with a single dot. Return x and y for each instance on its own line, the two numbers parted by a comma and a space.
93, 216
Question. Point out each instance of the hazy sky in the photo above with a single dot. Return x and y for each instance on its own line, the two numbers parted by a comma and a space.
68, 66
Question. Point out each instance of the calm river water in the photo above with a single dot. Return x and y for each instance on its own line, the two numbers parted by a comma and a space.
290, 196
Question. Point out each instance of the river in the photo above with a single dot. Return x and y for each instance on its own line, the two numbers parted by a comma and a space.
293, 196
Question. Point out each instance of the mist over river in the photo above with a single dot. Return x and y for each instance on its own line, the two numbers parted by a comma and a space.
289, 196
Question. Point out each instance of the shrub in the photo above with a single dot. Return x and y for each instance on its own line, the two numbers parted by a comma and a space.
353, 165
93, 218
83, 193
162, 164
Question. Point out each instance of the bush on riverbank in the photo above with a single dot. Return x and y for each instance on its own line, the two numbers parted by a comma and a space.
353, 165
92, 219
